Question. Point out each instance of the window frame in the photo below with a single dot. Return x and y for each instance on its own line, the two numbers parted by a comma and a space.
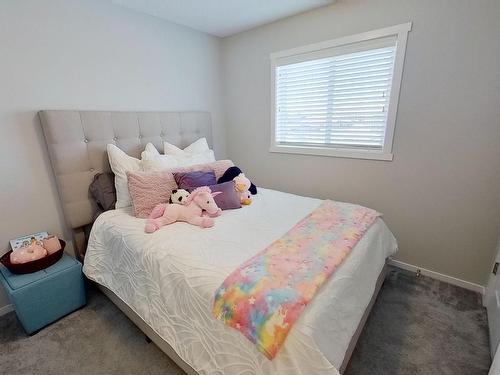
400, 32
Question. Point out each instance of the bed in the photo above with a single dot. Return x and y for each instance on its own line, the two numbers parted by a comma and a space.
165, 282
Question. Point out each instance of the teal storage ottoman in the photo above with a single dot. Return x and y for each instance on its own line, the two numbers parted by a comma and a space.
42, 297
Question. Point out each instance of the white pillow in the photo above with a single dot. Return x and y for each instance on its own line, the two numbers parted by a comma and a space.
151, 149
152, 162
120, 164
197, 147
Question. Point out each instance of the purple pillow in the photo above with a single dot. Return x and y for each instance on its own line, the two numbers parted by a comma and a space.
192, 180
228, 200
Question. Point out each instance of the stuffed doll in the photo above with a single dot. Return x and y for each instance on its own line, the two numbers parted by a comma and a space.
178, 196
199, 209
233, 172
28, 253
242, 184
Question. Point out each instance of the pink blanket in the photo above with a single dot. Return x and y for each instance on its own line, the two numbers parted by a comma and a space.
264, 296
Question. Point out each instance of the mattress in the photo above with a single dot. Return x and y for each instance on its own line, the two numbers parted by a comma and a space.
169, 278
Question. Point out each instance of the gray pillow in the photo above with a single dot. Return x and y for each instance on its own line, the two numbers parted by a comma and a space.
103, 193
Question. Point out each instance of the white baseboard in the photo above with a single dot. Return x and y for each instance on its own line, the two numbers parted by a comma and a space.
439, 276
6, 309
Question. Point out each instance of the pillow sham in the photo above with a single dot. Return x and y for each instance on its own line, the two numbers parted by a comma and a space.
151, 149
197, 147
147, 189
152, 160
228, 200
219, 167
162, 162
194, 179
121, 163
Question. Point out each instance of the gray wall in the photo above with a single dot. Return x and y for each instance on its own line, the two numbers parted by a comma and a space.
441, 194
88, 54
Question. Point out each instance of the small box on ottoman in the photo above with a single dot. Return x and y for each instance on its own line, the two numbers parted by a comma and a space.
42, 297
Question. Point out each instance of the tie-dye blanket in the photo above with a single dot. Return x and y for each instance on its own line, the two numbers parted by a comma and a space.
264, 296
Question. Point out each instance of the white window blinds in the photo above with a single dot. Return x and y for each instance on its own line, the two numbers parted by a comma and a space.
340, 101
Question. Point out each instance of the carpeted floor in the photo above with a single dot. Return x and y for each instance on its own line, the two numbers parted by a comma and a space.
423, 326
417, 326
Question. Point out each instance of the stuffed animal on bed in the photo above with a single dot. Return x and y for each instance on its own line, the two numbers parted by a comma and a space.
199, 209
233, 172
178, 196
242, 184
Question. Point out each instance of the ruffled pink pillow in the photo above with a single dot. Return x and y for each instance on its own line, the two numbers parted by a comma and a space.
147, 189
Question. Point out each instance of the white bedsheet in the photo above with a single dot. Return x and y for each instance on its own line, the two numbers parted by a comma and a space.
169, 279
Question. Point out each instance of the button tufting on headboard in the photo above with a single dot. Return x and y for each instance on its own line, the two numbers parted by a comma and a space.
75, 162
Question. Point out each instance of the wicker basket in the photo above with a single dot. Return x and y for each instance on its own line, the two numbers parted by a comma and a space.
35, 265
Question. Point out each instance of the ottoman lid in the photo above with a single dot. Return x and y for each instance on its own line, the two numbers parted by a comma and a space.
16, 281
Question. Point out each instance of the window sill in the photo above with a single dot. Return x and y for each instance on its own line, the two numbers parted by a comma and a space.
332, 152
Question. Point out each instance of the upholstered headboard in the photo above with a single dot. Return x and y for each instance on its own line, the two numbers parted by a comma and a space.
76, 142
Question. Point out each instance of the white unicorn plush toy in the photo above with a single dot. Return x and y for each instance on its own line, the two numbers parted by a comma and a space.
199, 209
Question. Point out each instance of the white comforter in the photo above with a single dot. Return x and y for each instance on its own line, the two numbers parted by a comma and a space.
169, 279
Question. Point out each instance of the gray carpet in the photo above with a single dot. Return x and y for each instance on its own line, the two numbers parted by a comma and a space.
417, 326
423, 326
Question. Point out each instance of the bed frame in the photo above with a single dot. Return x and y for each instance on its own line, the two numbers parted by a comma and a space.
76, 143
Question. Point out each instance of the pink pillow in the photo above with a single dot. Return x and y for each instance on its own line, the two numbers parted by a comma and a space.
147, 189
219, 167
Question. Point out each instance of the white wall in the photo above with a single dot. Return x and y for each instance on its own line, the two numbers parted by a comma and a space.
65, 54
441, 194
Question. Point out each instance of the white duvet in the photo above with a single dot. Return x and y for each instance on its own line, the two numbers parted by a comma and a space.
169, 279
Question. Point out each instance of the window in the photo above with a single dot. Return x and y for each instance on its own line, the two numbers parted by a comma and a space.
340, 97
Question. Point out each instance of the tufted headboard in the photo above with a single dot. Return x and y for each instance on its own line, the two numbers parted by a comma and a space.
76, 142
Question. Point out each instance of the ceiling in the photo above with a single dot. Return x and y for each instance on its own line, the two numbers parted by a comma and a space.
222, 17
